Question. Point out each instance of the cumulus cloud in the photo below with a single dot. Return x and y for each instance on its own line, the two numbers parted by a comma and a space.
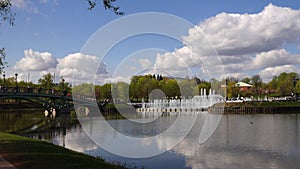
268, 73
36, 61
275, 58
81, 68
247, 33
238, 42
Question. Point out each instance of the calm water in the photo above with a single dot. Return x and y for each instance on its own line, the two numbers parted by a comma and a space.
240, 141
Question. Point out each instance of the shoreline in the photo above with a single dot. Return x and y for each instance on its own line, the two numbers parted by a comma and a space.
279, 107
283, 107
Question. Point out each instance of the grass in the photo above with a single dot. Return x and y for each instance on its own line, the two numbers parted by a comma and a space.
265, 104
26, 153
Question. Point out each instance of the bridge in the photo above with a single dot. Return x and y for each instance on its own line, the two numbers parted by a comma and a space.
51, 100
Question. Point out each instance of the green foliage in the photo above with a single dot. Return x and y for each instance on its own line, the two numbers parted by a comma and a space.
105, 92
257, 83
2, 60
284, 84
84, 89
232, 90
121, 90
169, 87
46, 81
246, 80
297, 88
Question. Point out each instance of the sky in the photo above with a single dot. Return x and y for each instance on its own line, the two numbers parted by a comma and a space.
238, 38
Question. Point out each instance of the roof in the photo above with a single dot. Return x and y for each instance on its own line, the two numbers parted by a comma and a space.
243, 84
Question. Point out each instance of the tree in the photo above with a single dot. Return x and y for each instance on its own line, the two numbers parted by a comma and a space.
169, 87
46, 81
246, 80
105, 92
187, 87
256, 82
120, 90
145, 85
108, 5
297, 88
6, 15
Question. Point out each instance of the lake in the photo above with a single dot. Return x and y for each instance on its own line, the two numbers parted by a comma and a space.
239, 141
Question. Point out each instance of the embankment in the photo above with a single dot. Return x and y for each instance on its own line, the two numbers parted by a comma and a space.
257, 107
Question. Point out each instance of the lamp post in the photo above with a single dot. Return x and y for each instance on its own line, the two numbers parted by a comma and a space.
63, 85
17, 88
16, 79
4, 80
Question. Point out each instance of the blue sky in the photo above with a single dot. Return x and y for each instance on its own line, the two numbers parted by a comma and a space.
54, 29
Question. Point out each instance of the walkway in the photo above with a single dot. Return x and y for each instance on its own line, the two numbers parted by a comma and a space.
4, 164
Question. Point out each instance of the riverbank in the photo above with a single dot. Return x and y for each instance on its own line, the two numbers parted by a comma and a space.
279, 107
26, 153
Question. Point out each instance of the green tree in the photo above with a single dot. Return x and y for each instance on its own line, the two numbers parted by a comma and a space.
120, 90
105, 92
46, 81
297, 88
133, 94
169, 87
232, 90
84, 89
285, 83
257, 83
187, 88
246, 80
145, 85
63, 86
203, 85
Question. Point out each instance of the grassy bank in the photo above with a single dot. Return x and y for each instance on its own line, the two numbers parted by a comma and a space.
257, 107
26, 153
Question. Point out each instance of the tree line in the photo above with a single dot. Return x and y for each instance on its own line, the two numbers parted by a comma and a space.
45, 82
142, 86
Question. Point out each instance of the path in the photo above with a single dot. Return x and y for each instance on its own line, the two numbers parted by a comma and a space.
4, 164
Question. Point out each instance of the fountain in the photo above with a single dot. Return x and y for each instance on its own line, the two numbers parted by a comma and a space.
198, 103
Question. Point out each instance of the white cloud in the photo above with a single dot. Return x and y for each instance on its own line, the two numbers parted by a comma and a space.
268, 73
81, 68
36, 61
75, 67
145, 63
238, 42
19, 3
275, 58
247, 33
262, 60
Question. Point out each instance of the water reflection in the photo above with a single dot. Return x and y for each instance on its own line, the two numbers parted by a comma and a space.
17, 120
245, 141
240, 141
